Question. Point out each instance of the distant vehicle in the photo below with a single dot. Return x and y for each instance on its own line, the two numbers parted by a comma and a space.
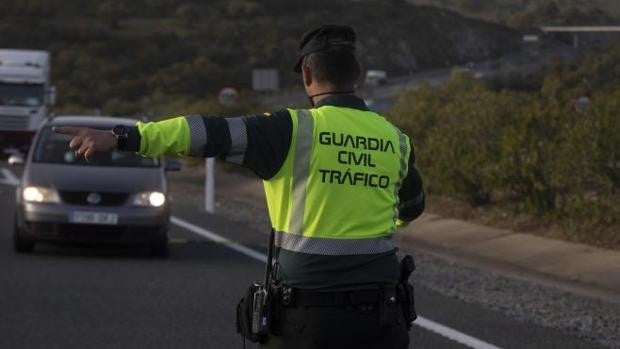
26, 96
375, 78
116, 198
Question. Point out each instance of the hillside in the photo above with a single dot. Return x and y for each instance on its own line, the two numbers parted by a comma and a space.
532, 13
111, 54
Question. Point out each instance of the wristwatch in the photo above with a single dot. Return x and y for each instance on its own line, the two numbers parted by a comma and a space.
120, 132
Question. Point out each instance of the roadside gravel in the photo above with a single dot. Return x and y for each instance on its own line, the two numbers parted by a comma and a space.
594, 320
587, 318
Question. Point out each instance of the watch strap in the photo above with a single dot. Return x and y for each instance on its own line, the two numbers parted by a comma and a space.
131, 142
121, 142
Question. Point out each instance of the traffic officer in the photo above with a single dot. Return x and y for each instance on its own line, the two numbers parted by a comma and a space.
338, 179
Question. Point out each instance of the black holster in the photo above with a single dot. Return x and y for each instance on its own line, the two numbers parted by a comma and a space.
254, 313
255, 309
405, 290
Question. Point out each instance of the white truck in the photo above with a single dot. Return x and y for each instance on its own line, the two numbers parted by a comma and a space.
26, 96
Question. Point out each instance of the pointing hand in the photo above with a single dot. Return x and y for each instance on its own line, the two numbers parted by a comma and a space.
86, 141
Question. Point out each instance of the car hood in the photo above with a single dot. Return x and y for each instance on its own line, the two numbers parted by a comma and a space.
94, 178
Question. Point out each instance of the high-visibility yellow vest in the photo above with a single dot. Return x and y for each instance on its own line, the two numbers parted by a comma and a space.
337, 191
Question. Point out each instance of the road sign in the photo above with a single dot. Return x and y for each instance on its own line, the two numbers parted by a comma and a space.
228, 96
581, 104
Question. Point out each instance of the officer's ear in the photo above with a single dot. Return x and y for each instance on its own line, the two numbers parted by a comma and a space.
358, 70
306, 73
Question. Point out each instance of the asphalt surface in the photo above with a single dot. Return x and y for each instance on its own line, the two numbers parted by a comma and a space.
69, 297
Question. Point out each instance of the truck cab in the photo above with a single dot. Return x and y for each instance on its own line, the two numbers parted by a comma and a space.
26, 96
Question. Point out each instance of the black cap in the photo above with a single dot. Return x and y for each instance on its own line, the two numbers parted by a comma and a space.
324, 37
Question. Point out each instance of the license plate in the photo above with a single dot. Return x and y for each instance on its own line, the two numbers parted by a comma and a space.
93, 218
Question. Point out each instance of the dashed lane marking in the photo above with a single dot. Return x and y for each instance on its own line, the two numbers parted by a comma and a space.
425, 323
9, 178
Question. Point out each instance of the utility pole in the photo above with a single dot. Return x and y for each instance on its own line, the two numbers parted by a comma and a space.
576, 40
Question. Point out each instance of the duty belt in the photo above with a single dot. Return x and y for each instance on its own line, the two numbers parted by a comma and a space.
295, 297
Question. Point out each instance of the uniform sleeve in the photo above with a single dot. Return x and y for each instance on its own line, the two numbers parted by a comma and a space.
269, 140
168, 137
258, 142
411, 195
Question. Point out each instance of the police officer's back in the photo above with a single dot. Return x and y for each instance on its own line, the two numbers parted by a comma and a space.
338, 180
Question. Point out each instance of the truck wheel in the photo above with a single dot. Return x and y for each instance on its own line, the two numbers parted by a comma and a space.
21, 244
160, 248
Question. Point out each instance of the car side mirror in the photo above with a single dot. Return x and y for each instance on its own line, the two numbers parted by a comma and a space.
173, 165
16, 159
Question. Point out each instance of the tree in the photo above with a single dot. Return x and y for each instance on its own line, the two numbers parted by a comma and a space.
189, 14
111, 11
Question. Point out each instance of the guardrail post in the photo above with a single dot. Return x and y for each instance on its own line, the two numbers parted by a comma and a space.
209, 185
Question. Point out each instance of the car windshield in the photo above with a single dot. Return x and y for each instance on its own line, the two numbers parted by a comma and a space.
53, 148
21, 95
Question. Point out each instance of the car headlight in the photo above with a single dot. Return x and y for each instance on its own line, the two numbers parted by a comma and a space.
39, 194
150, 198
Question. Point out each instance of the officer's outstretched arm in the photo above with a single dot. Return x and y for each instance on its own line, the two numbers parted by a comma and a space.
260, 142
172, 136
197, 136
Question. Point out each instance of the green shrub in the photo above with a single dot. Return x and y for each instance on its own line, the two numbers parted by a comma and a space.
529, 150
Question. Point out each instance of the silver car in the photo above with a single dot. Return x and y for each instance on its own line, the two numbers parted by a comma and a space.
116, 198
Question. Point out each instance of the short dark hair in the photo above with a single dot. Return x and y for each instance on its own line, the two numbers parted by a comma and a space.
337, 65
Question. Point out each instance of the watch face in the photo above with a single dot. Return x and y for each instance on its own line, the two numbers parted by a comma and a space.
120, 130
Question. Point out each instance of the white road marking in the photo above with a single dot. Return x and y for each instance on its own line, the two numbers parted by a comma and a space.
9, 178
425, 323
453, 334
219, 239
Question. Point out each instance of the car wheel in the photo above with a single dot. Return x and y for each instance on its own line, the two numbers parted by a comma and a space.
20, 243
160, 248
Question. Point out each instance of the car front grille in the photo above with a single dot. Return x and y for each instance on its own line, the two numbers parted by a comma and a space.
105, 232
91, 231
81, 198
14, 122
41, 228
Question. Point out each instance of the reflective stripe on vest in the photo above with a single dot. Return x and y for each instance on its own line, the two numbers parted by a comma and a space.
333, 247
301, 168
291, 187
402, 139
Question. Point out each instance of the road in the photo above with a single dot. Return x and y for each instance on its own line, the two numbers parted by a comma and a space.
69, 297
381, 98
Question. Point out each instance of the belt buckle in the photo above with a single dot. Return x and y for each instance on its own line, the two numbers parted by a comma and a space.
286, 297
